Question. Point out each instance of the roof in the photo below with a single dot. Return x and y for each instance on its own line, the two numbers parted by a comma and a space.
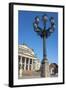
25, 49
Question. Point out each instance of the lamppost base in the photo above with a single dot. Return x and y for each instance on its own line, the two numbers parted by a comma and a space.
45, 68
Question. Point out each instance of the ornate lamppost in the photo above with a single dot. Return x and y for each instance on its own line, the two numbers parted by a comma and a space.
44, 33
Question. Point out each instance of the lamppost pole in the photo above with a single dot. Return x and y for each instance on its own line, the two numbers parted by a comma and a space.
44, 48
44, 39
44, 34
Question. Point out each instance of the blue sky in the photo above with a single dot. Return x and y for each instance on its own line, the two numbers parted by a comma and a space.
27, 35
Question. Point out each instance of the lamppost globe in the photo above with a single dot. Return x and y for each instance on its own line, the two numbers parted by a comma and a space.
35, 25
53, 26
51, 30
52, 20
45, 18
37, 19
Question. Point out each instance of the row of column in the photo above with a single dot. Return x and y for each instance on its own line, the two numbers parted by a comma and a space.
26, 63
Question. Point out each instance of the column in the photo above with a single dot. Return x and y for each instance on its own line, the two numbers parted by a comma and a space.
21, 60
29, 64
32, 65
20, 70
25, 64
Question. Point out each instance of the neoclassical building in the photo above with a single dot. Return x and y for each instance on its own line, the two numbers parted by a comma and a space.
26, 60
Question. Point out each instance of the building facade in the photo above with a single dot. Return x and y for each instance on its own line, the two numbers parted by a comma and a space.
26, 59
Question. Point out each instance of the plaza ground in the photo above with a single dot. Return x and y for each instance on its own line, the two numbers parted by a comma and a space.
35, 74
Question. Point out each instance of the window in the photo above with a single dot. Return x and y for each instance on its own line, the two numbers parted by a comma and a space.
27, 60
19, 57
30, 61
23, 66
26, 67
19, 66
23, 59
30, 67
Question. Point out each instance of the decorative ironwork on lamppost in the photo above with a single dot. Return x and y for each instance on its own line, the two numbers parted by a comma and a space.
44, 33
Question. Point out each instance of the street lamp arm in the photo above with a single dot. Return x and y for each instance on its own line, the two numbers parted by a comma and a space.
40, 34
38, 30
49, 31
